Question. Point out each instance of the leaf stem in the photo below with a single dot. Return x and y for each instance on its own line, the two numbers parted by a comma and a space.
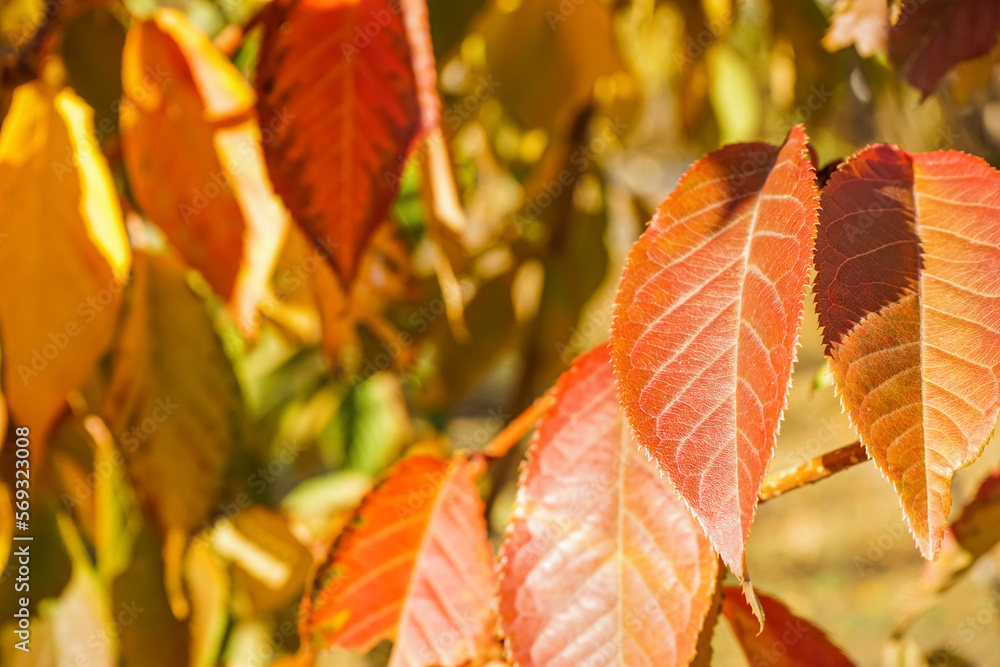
813, 470
518, 426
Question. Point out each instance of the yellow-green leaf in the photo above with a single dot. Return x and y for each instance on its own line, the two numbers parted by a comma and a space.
173, 403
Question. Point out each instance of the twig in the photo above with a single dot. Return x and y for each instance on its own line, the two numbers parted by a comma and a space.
813, 470
520, 425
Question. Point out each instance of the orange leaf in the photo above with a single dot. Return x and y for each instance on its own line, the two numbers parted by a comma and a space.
786, 640
907, 256
339, 93
414, 565
64, 256
192, 149
602, 563
706, 324
932, 36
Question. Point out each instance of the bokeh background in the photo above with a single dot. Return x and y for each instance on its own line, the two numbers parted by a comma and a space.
569, 121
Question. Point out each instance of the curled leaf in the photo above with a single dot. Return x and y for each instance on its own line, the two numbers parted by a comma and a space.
339, 92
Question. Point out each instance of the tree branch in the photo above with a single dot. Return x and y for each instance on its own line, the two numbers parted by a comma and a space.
813, 470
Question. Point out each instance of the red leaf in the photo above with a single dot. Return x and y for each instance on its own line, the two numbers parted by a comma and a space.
340, 97
907, 256
601, 563
786, 641
706, 324
931, 36
414, 565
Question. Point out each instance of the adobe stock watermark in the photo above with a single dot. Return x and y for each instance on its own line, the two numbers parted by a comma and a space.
367, 30
878, 547
461, 111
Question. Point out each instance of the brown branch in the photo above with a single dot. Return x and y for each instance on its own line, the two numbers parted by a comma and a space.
813, 470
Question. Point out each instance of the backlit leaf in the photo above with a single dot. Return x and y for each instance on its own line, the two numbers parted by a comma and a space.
63, 252
339, 94
706, 323
602, 563
194, 159
932, 36
173, 403
863, 23
787, 640
414, 565
907, 255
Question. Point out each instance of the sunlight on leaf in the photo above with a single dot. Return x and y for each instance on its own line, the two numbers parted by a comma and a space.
63, 252
193, 152
906, 257
601, 562
706, 324
415, 565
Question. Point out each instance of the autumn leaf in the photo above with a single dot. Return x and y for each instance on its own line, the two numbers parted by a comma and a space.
414, 565
906, 257
706, 323
192, 148
64, 256
863, 23
339, 94
786, 640
931, 36
601, 563
173, 403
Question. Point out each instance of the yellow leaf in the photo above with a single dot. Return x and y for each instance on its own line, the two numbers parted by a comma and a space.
63, 252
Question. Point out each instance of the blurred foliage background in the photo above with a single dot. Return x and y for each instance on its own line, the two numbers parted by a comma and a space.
569, 121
